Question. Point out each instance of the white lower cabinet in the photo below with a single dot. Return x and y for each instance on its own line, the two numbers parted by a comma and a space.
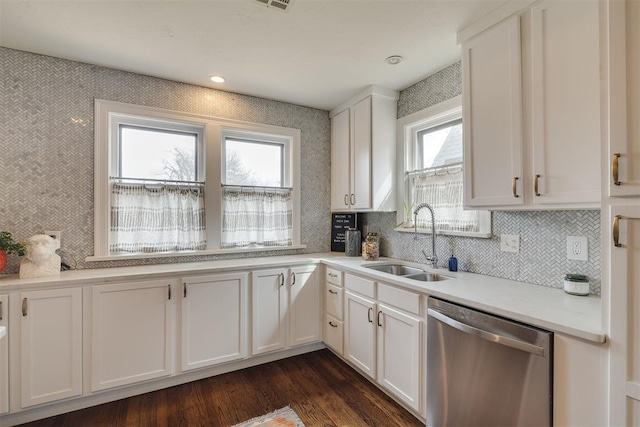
285, 308
132, 332
360, 332
4, 356
304, 305
51, 345
399, 366
214, 313
384, 342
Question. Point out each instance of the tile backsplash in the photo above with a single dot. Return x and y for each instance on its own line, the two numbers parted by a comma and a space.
542, 259
46, 141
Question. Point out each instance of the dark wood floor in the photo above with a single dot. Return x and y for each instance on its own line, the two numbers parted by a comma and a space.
322, 389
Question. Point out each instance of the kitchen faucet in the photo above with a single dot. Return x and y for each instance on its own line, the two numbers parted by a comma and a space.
433, 259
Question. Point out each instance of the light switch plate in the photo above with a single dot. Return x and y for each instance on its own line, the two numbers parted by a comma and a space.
578, 248
510, 243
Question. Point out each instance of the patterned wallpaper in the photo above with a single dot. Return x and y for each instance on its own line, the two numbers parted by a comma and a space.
46, 141
542, 259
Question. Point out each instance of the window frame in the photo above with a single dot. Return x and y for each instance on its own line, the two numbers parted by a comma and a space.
108, 115
407, 130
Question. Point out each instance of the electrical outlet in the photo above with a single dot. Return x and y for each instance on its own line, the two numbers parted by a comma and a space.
510, 243
55, 234
577, 248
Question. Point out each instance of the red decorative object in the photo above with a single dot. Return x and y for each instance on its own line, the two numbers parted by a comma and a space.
3, 260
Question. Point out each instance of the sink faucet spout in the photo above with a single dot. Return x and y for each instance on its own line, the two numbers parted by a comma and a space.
433, 259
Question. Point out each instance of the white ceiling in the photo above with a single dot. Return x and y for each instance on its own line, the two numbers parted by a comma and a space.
318, 53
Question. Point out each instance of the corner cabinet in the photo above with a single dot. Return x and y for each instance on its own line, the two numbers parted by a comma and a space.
51, 345
363, 152
531, 111
214, 319
285, 308
132, 332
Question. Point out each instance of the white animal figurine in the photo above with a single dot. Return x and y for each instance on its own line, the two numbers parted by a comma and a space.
41, 259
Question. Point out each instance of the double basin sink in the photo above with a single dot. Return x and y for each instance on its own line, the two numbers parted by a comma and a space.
408, 272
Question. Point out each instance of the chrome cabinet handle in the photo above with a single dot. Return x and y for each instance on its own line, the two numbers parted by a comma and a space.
489, 336
24, 307
352, 199
379, 324
331, 291
535, 186
293, 275
346, 200
369, 315
514, 186
332, 324
614, 168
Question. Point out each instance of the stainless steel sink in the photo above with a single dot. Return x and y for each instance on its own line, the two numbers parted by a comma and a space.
395, 269
427, 277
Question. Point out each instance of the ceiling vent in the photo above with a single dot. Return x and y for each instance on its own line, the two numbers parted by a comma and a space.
282, 5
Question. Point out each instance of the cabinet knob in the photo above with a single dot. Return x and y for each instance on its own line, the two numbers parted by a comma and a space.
614, 169
514, 186
535, 186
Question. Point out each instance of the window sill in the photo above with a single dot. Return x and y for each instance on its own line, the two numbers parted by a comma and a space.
476, 234
123, 257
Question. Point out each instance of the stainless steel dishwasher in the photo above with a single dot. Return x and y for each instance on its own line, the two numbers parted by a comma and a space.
483, 370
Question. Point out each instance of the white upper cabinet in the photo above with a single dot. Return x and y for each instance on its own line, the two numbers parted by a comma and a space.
492, 112
531, 110
363, 152
624, 146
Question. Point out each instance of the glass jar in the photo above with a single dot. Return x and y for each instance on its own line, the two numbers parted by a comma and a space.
576, 284
371, 247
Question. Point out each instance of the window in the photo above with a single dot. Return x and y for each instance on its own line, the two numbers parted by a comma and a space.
169, 183
433, 172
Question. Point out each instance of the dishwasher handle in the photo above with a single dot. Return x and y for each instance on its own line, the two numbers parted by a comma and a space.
489, 336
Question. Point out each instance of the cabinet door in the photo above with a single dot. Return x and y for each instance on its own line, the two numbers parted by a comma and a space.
304, 306
4, 355
624, 81
492, 117
360, 197
51, 349
269, 299
340, 161
131, 331
214, 311
399, 344
360, 333
624, 366
566, 102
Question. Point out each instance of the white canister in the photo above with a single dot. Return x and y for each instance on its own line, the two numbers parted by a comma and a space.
576, 284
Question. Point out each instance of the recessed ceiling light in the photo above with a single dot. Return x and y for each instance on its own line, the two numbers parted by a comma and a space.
217, 79
393, 60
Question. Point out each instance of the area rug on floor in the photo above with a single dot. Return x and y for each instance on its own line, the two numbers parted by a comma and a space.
285, 417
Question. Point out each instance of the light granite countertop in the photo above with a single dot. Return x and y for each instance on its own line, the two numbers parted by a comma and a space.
545, 307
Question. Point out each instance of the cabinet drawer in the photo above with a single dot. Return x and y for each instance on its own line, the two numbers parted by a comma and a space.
333, 276
333, 298
360, 285
401, 298
333, 332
